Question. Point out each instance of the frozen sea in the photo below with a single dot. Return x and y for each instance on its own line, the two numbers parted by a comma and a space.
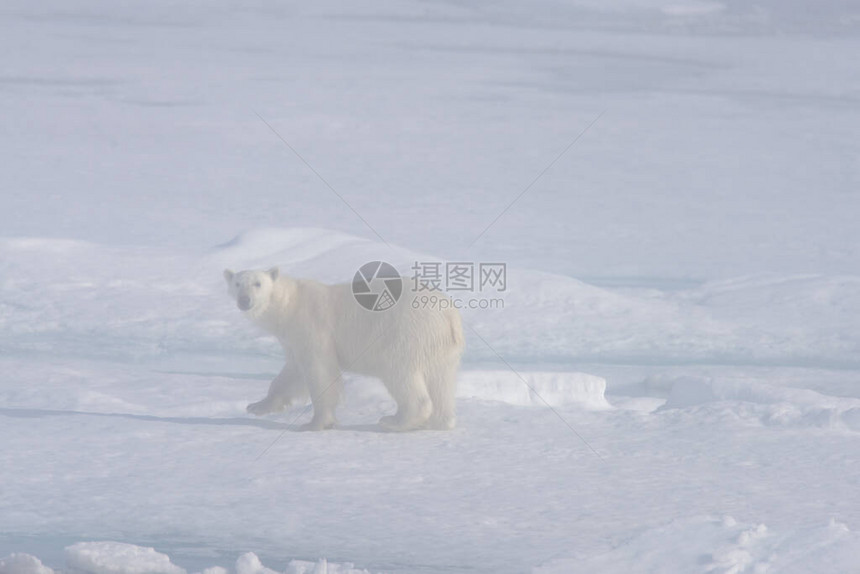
672, 385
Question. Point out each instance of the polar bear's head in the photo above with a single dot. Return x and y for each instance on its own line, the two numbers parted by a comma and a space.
252, 290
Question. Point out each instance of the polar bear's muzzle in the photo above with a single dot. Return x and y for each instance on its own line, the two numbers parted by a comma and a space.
243, 302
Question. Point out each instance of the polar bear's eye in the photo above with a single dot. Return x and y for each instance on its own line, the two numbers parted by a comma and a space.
257, 284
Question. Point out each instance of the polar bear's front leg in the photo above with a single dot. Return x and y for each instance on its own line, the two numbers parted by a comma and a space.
287, 388
325, 382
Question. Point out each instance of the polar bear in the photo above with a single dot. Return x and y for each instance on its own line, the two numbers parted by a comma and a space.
415, 350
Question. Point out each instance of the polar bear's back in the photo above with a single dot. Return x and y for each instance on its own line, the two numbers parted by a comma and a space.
405, 337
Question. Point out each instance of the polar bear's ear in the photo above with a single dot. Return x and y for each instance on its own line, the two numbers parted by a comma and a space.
228, 276
274, 273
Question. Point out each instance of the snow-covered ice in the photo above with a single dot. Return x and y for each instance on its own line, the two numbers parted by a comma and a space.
711, 544
20, 563
117, 558
121, 558
672, 385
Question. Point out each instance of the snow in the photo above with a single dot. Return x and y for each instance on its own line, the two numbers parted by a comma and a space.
772, 404
711, 544
20, 563
534, 388
672, 384
117, 558
121, 558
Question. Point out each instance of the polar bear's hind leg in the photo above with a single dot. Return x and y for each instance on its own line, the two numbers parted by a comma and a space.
414, 405
441, 384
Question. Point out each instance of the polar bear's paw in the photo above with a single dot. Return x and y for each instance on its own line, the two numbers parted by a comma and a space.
396, 424
265, 407
441, 423
388, 422
318, 424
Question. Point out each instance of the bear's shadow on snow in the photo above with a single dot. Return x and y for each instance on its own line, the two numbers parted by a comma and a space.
233, 421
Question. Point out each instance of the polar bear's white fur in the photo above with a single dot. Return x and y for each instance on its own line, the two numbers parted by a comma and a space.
324, 332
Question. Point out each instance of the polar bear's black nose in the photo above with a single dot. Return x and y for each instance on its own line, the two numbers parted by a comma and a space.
244, 302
